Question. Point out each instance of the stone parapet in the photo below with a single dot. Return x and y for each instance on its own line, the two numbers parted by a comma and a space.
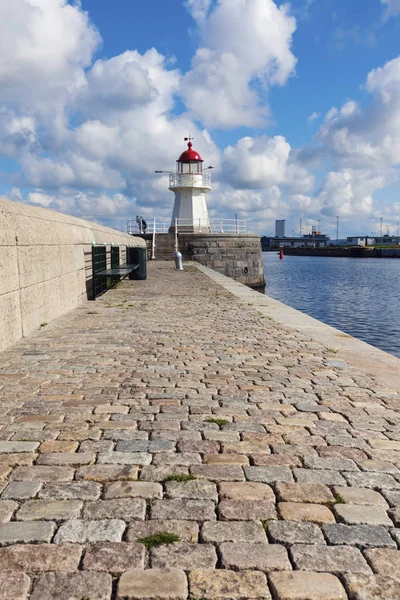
45, 265
238, 256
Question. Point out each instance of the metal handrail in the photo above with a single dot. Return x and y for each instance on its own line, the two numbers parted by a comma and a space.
177, 180
201, 225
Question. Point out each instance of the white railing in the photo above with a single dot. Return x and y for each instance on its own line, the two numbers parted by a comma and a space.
202, 180
196, 225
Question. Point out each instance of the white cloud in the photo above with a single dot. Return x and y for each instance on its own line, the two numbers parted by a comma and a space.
245, 44
313, 117
256, 163
44, 47
262, 162
359, 139
392, 7
348, 192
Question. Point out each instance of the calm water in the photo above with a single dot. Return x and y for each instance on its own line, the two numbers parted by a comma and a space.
360, 296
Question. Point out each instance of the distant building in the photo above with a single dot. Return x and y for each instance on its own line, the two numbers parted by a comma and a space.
280, 228
312, 240
357, 241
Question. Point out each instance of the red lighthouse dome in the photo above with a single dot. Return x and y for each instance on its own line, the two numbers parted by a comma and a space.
190, 155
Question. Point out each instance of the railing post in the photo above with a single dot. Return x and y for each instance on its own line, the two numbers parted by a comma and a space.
236, 223
154, 240
221, 226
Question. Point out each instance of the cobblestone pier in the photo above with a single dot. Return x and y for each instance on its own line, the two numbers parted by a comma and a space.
170, 407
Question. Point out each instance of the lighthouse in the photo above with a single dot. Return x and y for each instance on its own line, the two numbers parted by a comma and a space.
190, 185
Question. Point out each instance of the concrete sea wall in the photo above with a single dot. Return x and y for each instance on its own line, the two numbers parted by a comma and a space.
238, 256
45, 265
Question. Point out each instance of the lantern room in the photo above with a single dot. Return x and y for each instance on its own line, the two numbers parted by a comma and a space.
189, 161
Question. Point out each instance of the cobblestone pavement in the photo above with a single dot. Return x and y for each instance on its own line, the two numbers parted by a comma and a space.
168, 407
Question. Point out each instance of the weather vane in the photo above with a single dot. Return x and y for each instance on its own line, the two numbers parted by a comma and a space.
188, 138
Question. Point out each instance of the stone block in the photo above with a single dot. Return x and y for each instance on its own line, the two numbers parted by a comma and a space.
7, 508
133, 489
246, 490
218, 472
268, 474
372, 587
184, 555
151, 446
233, 531
298, 511
42, 474
152, 473
32, 558
115, 558
183, 508
225, 459
21, 490
294, 532
153, 584
384, 561
246, 510
66, 458
352, 495
68, 586
195, 489
376, 481
362, 536
300, 585
328, 559
187, 531
49, 510
14, 586
8, 447
357, 514
260, 557
221, 584
26, 533
77, 532
75, 490
127, 509
326, 464
124, 458
314, 493
51, 446
319, 476
104, 473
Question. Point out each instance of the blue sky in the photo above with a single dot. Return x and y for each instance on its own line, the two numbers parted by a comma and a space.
297, 106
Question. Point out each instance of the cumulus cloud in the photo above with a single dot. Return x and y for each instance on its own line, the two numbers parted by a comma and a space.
313, 117
392, 7
44, 45
87, 135
245, 44
262, 162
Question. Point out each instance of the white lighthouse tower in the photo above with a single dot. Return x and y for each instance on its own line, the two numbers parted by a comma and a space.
190, 185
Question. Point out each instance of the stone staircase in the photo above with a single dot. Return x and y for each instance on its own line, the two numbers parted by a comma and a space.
165, 246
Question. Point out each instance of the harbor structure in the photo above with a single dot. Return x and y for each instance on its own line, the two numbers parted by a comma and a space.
190, 184
219, 243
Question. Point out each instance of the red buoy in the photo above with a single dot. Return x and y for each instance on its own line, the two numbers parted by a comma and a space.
281, 255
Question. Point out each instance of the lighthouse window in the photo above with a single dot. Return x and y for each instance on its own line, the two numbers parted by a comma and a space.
190, 167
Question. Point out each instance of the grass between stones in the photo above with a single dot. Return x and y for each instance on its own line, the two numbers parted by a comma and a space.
219, 422
158, 539
179, 477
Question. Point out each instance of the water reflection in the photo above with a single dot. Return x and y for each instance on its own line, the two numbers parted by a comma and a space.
360, 296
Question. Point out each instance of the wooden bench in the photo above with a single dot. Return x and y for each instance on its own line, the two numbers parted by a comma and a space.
119, 272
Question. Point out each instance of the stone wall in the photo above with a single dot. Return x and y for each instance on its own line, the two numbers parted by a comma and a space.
238, 256
45, 265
